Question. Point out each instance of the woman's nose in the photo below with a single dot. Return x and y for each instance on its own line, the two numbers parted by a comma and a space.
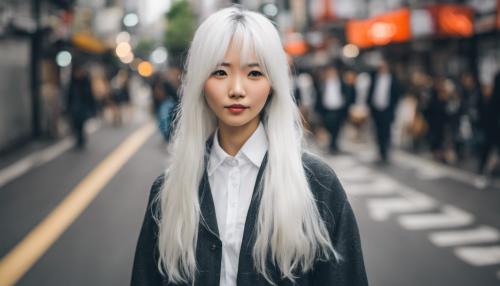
237, 89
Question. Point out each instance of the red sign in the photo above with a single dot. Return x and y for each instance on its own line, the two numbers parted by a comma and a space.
294, 44
498, 14
453, 20
381, 30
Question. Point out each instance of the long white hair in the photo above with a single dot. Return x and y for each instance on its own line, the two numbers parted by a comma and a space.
289, 226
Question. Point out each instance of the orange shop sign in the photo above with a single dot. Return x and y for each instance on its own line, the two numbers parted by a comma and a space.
381, 30
498, 14
294, 44
453, 20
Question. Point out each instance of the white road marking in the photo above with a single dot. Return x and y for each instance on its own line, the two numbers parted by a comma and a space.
356, 173
342, 162
479, 255
411, 201
33, 160
379, 186
431, 173
449, 217
483, 234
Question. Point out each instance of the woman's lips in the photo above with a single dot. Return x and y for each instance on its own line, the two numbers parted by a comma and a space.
236, 108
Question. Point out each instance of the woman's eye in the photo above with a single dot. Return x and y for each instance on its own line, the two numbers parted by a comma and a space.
255, 74
219, 73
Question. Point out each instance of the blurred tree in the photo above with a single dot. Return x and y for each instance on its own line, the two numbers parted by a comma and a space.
144, 47
181, 23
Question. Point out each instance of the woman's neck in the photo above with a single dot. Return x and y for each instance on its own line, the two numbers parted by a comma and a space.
231, 139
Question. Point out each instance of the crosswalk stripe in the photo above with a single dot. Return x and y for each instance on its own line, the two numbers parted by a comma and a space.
481, 234
342, 162
411, 201
449, 217
379, 186
356, 173
479, 255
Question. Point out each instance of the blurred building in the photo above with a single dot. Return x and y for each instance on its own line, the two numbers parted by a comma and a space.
40, 39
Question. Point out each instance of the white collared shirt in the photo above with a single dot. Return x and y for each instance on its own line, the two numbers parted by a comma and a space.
332, 97
382, 91
232, 180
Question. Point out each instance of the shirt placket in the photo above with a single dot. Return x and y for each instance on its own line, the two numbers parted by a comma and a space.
233, 189
233, 186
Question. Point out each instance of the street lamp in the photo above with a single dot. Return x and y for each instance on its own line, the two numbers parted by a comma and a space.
131, 20
63, 59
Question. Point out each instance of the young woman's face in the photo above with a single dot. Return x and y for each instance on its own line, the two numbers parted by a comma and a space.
237, 91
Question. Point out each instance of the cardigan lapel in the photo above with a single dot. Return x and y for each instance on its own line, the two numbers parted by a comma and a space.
245, 264
207, 207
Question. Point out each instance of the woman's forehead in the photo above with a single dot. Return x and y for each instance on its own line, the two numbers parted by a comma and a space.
239, 54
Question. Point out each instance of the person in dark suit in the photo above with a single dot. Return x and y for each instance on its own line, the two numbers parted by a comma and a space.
383, 96
490, 123
81, 104
334, 100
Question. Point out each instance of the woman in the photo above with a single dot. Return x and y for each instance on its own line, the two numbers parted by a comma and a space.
242, 203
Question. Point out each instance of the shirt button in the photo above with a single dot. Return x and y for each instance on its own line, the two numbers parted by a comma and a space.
213, 247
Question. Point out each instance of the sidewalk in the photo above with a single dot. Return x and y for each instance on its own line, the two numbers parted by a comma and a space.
37, 153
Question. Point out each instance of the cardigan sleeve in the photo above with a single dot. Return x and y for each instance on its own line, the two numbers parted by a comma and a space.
349, 268
145, 270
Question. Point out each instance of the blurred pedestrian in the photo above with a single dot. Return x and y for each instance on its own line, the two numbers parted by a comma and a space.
307, 101
167, 107
490, 121
383, 96
358, 113
51, 95
241, 202
438, 118
101, 88
421, 89
120, 97
455, 124
470, 128
80, 102
333, 103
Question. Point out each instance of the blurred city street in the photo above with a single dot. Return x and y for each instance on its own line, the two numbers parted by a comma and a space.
400, 97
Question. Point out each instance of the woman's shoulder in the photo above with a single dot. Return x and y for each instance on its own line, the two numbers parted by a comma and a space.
154, 192
158, 183
315, 163
323, 180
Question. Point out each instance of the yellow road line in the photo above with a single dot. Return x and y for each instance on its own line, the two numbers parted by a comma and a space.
20, 259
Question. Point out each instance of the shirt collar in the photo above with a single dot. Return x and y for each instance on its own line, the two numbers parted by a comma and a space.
254, 149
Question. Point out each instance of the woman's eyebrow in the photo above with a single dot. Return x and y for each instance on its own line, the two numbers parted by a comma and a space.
228, 64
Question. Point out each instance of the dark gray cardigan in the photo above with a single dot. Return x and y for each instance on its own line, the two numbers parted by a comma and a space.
335, 211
